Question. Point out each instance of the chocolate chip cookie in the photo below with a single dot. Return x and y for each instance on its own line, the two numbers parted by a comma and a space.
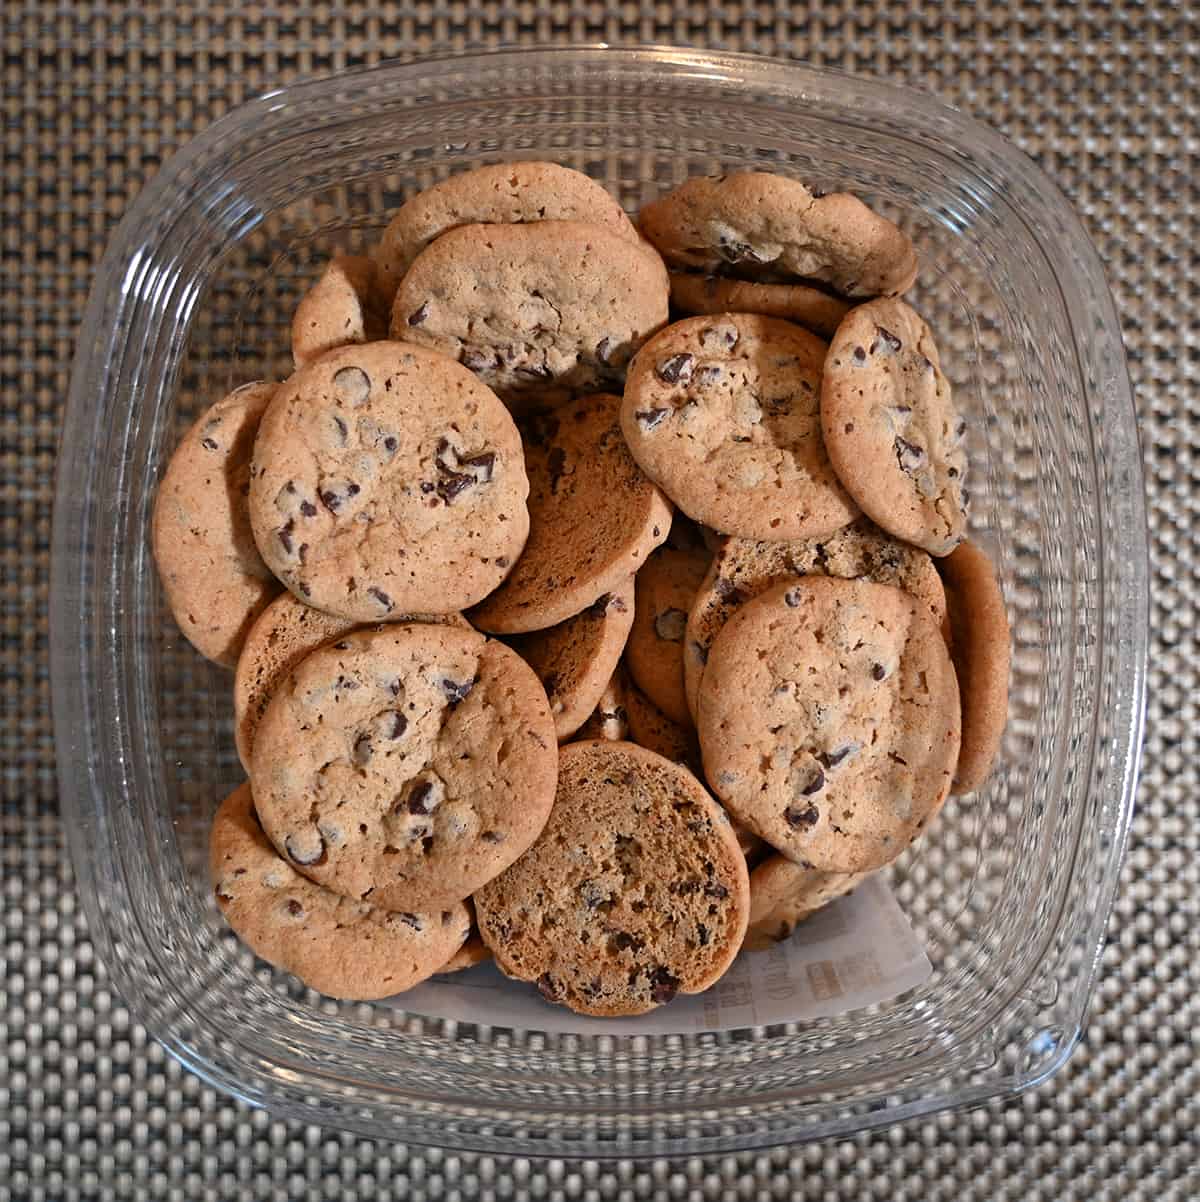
473, 952
760, 225
743, 568
981, 655
783, 894
406, 766
337, 946
722, 413
809, 307
829, 720
667, 584
215, 581
609, 720
342, 308
650, 728
285, 633
635, 891
594, 517
576, 659
388, 480
892, 430
498, 194
546, 309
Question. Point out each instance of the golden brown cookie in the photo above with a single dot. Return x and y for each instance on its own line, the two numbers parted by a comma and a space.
284, 634
636, 890
808, 307
215, 581
406, 765
576, 659
553, 307
388, 480
594, 517
722, 413
982, 651
743, 568
758, 225
339, 947
783, 894
667, 584
891, 427
829, 720
342, 308
498, 194
650, 728
609, 720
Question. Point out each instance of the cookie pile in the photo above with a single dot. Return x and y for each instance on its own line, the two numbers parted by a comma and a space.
597, 594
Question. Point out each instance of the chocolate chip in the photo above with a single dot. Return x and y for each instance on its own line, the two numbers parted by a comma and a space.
418, 315
549, 988
802, 819
390, 444
604, 349
670, 625
457, 692
380, 596
555, 464
353, 384
727, 591
308, 509
410, 920
716, 890
477, 360
960, 429
302, 553
362, 750
792, 598
651, 419
334, 498
832, 758
293, 907
706, 376
909, 456
285, 535
885, 341
860, 354
878, 671
306, 856
663, 986
343, 431
481, 466
209, 444
419, 797
733, 250
816, 782
453, 483
677, 369
702, 934
427, 844
399, 725
427, 486
501, 561
491, 837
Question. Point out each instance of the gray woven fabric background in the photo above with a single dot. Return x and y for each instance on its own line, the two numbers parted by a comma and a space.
96, 96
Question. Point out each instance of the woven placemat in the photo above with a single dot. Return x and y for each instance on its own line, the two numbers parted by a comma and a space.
96, 96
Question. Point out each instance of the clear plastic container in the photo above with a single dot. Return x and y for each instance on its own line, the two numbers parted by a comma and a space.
1009, 890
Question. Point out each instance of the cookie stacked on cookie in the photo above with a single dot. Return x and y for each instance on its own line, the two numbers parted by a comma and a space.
600, 645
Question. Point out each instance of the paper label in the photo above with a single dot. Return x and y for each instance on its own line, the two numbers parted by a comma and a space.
857, 951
